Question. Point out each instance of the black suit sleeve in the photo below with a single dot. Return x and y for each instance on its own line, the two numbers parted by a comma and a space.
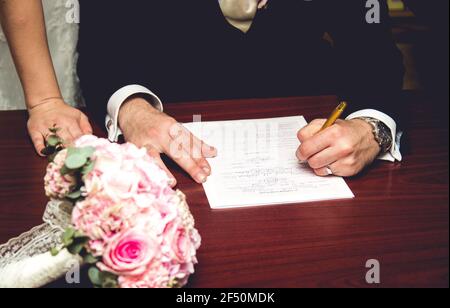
369, 63
112, 47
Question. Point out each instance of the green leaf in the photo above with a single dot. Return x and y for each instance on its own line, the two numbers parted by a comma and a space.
71, 151
54, 251
65, 170
53, 140
67, 237
74, 195
68, 242
68, 234
102, 279
54, 130
88, 168
76, 161
95, 276
110, 284
87, 151
108, 275
51, 158
77, 245
48, 151
76, 248
109, 280
90, 259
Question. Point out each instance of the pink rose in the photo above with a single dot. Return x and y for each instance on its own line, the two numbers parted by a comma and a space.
181, 244
158, 276
129, 254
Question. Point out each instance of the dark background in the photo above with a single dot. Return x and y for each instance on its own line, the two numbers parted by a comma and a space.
422, 34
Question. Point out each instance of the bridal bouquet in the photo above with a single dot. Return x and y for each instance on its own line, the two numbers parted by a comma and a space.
126, 222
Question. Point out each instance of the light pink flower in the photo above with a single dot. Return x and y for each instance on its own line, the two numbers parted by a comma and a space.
91, 141
100, 218
158, 276
57, 186
129, 254
181, 246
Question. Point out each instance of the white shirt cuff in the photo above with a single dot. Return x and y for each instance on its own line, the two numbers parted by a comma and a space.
116, 101
394, 154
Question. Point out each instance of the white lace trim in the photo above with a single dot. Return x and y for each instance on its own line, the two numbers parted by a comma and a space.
25, 261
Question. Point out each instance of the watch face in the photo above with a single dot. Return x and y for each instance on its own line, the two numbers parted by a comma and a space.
385, 136
382, 134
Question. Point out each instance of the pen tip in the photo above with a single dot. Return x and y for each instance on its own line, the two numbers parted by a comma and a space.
343, 105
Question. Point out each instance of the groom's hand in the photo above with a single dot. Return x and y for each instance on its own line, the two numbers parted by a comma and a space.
147, 127
345, 149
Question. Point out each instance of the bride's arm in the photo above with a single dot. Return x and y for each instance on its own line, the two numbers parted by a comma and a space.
24, 26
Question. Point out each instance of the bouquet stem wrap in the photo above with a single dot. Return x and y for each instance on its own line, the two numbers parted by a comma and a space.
26, 261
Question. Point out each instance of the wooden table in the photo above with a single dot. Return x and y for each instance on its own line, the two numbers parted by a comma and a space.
400, 215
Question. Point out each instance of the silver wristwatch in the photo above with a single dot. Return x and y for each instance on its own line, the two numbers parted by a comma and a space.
381, 132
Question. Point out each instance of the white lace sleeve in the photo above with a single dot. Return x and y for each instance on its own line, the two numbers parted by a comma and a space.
25, 261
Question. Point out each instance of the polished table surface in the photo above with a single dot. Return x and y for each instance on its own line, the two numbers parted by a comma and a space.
399, 216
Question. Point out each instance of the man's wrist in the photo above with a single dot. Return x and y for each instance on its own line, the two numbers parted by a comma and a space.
365, 127
117, 100
381, 133
132, 107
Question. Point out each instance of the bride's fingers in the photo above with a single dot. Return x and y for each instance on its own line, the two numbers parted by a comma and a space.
75, 130
66, 136
38, 141
85, 125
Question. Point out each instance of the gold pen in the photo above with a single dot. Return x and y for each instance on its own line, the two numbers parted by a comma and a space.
334, 116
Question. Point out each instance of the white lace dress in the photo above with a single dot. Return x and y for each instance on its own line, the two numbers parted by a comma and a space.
62, 37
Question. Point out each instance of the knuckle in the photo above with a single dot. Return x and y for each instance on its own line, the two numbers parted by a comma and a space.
352, 162
317, 122
314, 163
301, 135
304, 150
346, 148
192, 169
336, 132
297, 153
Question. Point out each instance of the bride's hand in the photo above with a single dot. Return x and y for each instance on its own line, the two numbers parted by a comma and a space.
56, 113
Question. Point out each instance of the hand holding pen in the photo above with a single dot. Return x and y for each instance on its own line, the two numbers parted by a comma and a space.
337, 147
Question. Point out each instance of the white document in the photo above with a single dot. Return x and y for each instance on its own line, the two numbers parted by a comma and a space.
257, 165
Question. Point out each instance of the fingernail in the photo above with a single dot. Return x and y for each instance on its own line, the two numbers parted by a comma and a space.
207, 170
201, 178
